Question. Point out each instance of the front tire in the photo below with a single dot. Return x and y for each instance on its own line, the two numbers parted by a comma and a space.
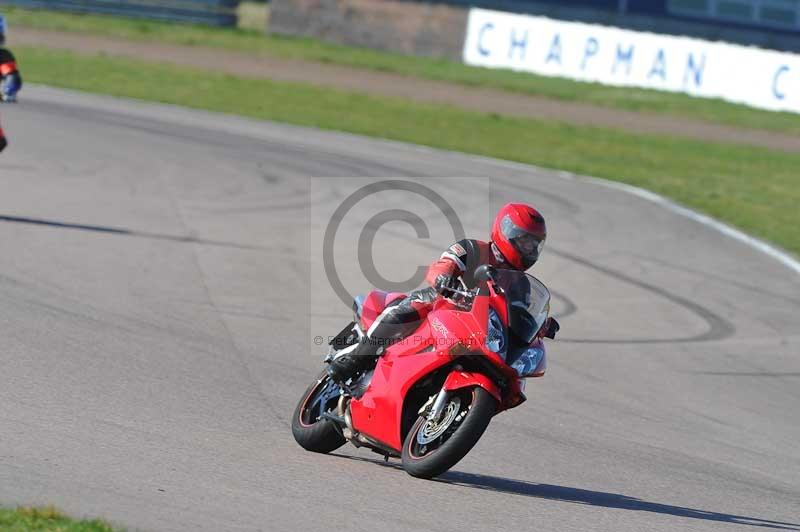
429, 449
311, 432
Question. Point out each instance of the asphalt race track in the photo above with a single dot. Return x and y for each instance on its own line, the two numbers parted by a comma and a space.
158, 300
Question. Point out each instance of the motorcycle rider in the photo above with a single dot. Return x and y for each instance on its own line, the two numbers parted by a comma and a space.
10, 78
518, 236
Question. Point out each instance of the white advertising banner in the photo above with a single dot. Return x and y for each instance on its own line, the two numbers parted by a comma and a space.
613, 56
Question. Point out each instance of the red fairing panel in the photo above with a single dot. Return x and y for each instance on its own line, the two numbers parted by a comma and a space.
464, 379
378, 413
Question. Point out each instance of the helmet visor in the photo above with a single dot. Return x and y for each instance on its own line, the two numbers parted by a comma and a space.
528, 245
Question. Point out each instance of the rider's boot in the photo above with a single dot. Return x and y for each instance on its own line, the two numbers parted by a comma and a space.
361, 357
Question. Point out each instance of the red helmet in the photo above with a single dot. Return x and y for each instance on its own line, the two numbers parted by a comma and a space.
519, 233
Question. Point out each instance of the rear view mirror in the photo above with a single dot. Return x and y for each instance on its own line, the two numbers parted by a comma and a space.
485, 273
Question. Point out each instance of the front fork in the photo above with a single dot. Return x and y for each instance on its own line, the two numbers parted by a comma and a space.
438, 405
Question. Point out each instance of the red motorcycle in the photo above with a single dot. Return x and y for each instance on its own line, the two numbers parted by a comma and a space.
431, 395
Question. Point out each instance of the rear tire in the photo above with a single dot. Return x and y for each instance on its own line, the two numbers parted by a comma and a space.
314, 434
422, 462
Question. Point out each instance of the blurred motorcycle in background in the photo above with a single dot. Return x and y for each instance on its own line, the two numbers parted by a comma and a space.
10, 78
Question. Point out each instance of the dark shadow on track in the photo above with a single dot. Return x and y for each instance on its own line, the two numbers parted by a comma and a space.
600, 498
748, 374
586, 497
123, 232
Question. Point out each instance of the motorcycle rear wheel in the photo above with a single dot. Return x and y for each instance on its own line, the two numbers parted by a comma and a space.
427, 460
311, 432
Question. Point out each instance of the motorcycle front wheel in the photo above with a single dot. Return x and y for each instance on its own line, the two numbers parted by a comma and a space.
431, 448
309, 430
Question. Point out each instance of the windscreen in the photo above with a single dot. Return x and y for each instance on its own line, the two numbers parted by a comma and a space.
528, 302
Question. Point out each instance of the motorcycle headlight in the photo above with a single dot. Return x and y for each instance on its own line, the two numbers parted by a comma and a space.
495, 336
527, 362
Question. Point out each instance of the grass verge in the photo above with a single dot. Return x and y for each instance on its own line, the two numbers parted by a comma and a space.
47, 519
256, 42
756, 189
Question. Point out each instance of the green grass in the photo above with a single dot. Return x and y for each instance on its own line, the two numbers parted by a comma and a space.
256, 42
46, 519
753, 188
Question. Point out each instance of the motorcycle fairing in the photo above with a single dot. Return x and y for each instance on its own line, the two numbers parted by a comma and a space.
409, 360
465, 379
453, 333
472, 327
378, 413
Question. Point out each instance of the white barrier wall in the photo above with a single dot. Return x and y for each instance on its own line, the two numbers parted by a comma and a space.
613, 56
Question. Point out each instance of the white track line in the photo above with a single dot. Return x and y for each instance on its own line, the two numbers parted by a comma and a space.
768, 249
